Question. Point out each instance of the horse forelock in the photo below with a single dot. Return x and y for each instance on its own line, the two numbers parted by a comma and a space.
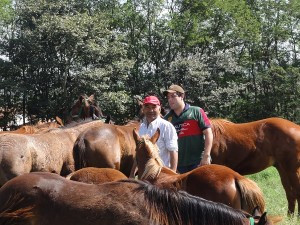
172, 207
152, 170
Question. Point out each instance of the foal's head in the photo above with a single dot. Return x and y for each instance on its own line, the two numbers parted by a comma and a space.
147, 155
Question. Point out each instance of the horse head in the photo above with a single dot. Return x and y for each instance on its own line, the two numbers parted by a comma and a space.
86, 107
147, 155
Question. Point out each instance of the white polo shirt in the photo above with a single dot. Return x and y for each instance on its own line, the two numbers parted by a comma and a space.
167, 140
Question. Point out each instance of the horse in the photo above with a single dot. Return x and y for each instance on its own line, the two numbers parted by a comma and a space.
48, 199
84, 108
213, 182
40, 127
51, 151
252, 147
107, 146
93, 175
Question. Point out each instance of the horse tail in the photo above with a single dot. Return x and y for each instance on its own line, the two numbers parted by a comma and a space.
79, 151
13, 213
251, 194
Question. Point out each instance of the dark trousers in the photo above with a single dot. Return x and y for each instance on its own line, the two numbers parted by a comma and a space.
184, 169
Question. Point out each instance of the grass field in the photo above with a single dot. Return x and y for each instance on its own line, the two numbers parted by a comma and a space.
276, 203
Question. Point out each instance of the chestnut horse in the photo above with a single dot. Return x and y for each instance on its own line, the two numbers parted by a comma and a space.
93, 175
51, 151
86, 107
49, 199
213, 182
252, 147
40, 127
110, 146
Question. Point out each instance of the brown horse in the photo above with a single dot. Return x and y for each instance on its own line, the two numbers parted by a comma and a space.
48, 199
40, 127
213, 182
93, 175
51, 151
110, 146
252, 147
84, 108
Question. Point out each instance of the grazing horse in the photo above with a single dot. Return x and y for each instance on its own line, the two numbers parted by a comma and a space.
252, 147
51, 151
93, 175
213, 182
108, 146
84, 108
48, 199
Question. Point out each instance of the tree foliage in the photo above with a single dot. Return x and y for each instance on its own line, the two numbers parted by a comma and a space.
237, 59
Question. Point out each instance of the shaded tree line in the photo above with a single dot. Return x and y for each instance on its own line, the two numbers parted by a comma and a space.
236, 59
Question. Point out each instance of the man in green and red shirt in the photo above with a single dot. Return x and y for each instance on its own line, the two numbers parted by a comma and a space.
193, 129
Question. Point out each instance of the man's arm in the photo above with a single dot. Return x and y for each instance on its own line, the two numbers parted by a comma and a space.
206, 158
173, 160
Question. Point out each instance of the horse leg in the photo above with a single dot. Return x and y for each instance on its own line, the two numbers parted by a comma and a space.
291, 198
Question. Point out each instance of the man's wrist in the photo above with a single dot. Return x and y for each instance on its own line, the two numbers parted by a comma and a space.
206, 156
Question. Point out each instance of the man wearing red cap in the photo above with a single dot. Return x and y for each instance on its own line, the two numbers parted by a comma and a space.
167, 142
193, 128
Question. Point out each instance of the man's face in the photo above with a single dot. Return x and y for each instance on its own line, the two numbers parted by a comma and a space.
151, 112
174, 100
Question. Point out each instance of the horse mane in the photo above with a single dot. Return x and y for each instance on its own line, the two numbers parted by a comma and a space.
154, 164
12, 212
171, 207
218, 126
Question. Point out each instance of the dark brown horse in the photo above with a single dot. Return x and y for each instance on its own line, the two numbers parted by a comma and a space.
213, 182
93, 175
109, 146
252, 147
48, 199
86, 107
51, 151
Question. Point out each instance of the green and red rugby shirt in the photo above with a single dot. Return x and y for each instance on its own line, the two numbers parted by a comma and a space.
189, 126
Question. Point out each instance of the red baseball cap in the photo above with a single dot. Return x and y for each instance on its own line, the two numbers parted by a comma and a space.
151, 100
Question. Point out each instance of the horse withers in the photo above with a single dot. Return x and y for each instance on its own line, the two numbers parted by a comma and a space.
48, 199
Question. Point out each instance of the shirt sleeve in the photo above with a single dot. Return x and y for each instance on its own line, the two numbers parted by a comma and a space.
170, 137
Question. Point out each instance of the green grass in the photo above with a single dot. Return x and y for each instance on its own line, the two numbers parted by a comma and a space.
276, 203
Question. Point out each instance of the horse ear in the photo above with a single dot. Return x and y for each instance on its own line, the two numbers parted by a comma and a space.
91, 98
59, 121
80, 99
263, 219
136, 136
155, 137
256, 212
139, 102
